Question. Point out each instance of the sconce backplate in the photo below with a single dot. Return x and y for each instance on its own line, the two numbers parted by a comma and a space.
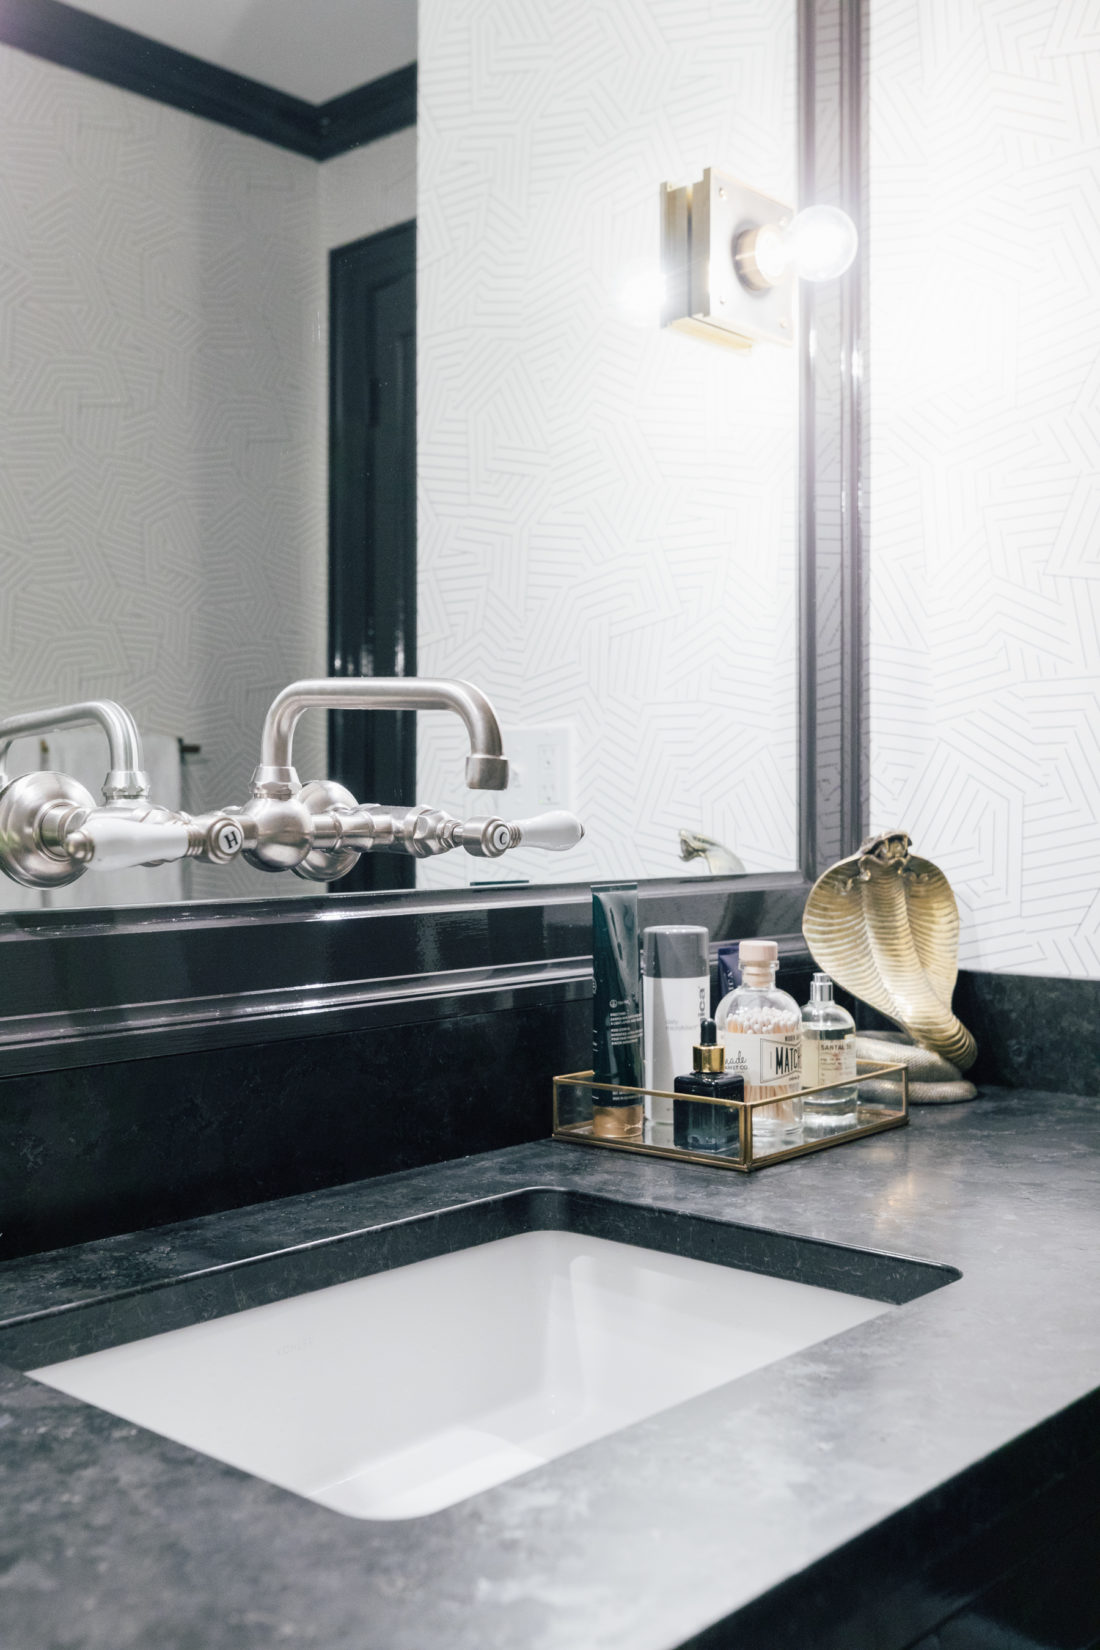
704, 295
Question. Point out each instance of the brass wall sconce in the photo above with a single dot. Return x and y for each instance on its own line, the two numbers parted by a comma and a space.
730, 256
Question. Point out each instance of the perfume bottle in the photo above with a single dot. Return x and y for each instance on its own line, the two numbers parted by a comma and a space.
761, 1030
828, 1056
698, 1124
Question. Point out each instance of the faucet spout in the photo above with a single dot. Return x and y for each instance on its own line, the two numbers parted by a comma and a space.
486, 765
126, 779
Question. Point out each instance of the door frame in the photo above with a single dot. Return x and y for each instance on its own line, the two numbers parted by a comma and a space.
371, 580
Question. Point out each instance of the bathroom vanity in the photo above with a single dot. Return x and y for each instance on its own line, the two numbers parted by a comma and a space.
222, 1107
907, 1474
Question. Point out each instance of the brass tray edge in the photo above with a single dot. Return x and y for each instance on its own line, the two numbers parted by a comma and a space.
872, 1072
677, 1154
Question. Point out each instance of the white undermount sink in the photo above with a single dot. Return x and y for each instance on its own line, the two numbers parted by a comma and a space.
401, 1393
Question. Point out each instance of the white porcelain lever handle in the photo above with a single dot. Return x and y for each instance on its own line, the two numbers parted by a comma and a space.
107, 841
556, 830
489, 838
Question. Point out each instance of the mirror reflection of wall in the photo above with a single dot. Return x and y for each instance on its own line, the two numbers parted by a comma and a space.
608, 510
163, 403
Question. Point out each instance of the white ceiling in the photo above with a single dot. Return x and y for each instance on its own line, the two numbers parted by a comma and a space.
315, 49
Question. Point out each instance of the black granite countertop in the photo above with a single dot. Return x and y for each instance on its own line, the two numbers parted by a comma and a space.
777, 1510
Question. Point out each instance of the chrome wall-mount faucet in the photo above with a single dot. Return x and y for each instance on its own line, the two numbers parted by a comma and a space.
51, 830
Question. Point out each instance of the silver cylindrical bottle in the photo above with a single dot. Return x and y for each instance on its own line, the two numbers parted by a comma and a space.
675, 998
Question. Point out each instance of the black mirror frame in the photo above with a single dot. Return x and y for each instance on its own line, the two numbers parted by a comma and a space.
85, 987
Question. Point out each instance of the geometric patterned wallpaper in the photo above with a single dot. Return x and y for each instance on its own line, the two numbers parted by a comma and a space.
367, 189
985, 464
607, 510
161, 493
163, 407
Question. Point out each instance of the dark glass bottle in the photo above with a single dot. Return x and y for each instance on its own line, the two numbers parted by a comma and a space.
698, 1124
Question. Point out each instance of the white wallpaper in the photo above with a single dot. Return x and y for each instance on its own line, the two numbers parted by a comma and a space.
607, 511
985, 456
161, 495
163, 409
368, 189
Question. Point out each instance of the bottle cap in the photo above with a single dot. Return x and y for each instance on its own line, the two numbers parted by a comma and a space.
755, 952
675, 953
821, 989
708, 1055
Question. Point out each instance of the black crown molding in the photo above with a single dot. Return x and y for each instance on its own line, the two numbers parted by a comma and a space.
77, 40
367, 113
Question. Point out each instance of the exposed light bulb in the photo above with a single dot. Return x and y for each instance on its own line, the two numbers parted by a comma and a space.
821, 243
771, 253
818, 244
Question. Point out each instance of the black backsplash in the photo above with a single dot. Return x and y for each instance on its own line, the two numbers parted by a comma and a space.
96, 1150
121, 1146
1033, 1032
90, 1152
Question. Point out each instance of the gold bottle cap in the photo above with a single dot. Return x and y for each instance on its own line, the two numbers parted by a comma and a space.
708, 1054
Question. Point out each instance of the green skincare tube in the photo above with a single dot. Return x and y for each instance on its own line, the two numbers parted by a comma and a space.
617, 1046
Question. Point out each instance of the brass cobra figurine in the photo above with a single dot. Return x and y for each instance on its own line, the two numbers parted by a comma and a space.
885, 925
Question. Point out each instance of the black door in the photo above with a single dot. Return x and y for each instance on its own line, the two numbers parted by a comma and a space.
372, 521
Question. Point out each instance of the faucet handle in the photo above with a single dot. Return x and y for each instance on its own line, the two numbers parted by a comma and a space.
489, 838
117, 838
556, 831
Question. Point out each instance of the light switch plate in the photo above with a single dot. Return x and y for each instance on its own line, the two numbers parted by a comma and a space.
540, 776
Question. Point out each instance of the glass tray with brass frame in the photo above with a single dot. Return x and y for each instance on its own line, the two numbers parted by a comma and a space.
584, 1118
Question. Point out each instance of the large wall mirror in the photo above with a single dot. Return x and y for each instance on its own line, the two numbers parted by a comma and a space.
609, 508
611, 537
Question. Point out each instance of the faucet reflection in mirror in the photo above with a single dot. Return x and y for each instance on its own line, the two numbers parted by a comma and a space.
51, 830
